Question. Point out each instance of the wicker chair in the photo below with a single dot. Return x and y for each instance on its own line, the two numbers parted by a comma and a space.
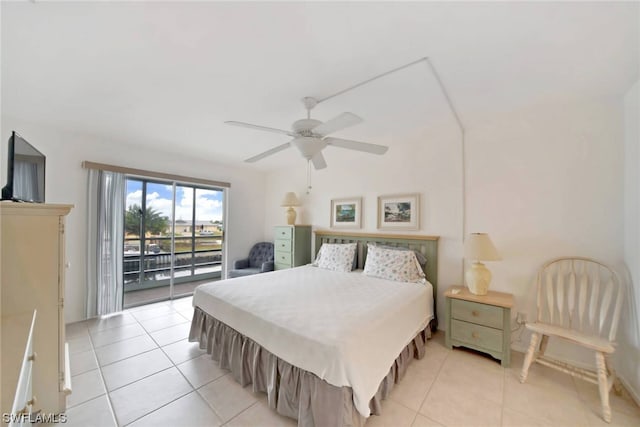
579, 301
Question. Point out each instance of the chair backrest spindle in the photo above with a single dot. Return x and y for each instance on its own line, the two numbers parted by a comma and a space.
583, 292
571, 295
560, 292
580, 294
593, 305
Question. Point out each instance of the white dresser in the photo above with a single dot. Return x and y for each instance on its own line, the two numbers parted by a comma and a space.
32, 277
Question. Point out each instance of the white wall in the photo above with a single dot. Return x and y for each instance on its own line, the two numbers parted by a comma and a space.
547, 182
66, 182
543, 182
405, 168
629, 334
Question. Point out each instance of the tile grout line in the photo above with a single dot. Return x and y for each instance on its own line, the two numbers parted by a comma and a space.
104, 384
128, 357
166, 327
174, 365
117, 340
207, 402
99, 368
424, 399
170, 310
242, 412
160, 407
139, 379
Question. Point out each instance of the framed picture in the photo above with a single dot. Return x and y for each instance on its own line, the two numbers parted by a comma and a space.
399, 212
346, 213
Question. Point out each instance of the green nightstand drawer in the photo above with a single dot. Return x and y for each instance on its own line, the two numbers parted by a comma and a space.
283, 257
283, 232
481, 336
481, 314
281, 266
283, 245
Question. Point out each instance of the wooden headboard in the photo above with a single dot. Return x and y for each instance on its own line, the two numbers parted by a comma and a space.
427, 245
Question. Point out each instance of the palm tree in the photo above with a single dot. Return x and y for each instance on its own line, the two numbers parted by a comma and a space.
154, 222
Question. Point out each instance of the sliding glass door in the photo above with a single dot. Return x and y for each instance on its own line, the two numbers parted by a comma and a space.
173, 239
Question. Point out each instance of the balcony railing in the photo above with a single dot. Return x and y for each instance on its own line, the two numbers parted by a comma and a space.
189, 265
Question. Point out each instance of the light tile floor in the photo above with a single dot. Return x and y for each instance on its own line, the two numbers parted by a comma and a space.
137, 368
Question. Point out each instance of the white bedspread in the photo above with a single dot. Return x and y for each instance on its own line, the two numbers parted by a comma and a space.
347, 328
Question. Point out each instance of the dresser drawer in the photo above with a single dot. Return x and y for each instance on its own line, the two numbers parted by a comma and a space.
281, 266
481, 314
283, 245
283, 233
283, 257
481, 336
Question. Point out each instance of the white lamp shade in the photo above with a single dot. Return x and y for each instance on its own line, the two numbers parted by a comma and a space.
290, 199
479, 247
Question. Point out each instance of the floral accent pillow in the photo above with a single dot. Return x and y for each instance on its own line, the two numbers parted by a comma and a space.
336, 256
393, 264
422, 260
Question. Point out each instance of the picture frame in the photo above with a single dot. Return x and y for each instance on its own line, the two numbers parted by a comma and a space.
346, 213
399, 212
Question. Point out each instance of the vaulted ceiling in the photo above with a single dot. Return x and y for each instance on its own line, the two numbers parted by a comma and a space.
167, 75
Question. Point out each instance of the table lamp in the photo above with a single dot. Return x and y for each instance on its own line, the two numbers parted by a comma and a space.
478, 247
290, 200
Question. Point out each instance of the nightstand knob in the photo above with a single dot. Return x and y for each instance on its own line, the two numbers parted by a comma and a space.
474, 335
475, 313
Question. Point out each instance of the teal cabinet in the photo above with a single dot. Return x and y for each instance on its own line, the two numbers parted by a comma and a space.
292, 246
480, 322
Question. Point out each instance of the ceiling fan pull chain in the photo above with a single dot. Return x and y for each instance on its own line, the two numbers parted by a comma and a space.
308, 176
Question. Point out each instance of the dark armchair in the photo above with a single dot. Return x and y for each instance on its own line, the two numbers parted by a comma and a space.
260, 260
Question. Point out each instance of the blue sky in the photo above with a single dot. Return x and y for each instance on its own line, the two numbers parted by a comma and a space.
208, 202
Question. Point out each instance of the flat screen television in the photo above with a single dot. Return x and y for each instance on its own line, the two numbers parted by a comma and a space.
25, 172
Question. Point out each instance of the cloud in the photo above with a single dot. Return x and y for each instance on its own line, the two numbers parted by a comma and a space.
208, 203
134, 198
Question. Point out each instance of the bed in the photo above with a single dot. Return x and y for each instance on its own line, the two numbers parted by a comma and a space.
325, 346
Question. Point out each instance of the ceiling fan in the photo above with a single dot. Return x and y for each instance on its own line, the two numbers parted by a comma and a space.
310, 136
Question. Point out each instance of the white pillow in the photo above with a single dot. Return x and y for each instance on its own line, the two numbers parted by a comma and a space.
336, 256
393, 264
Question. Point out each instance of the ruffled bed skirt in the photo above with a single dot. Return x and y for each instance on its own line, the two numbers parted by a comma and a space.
291, 391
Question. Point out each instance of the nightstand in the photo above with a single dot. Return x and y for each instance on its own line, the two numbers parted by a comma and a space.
480, 322
292, 246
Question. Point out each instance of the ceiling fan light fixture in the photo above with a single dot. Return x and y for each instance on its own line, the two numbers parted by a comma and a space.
308, 146
304, 126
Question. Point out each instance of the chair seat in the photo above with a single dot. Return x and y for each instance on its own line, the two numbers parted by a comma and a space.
590, 341
243, 272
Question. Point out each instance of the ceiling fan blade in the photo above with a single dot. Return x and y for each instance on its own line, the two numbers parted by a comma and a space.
342, 121
267, 153
318, 161
258, 127
355, 145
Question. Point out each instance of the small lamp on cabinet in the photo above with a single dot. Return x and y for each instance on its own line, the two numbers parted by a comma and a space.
479, 247
290, 201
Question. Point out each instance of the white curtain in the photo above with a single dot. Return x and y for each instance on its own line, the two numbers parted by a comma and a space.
105, 242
